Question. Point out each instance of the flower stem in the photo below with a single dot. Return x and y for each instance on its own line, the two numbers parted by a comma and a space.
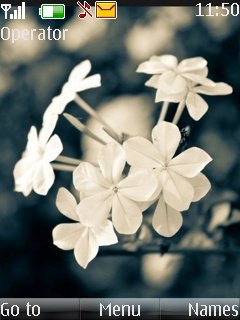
68, 160
179, 111
163, 111
82, 128
86, 107
63, 167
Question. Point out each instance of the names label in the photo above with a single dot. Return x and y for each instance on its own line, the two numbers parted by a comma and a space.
212, 310
199, 309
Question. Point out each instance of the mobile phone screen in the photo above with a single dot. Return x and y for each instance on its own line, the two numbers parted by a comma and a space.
119, 161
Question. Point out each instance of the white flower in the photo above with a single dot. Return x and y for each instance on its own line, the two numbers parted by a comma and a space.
171, 79
173, 172
34, 171
107, 190
77, 82
166, 220
196, 105
86, 234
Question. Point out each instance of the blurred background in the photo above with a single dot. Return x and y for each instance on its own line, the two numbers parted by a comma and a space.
33, 72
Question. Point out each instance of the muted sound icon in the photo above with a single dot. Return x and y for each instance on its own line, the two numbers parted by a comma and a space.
17, 14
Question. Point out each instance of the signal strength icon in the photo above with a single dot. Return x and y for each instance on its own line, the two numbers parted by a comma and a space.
18, 14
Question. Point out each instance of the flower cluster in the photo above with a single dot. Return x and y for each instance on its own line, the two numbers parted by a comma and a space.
133, 179
182, 82
33, 171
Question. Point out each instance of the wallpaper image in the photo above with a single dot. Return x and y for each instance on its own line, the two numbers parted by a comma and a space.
119, 167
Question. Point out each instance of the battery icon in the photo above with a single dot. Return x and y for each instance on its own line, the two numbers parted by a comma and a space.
52, 11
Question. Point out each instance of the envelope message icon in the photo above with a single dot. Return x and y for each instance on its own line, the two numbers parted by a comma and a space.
106, 9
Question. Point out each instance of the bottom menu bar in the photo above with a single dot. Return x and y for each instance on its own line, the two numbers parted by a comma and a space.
126, 308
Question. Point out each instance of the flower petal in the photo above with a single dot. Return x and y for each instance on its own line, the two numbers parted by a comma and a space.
112, 160
177, 191
33, 143
190, 162
201, 186
192, 64
43, 178
25, 189
86, 249
105, 234
88, 83
199, 79
23, 175
67, 95
95, 209
88, 178
50, 116
153, 82
202, 72
143, 206
166, 221
151, 67
196, 105
171, 83
23, 169
66, 235
52, 109
53, 148
166, 137
126, 215
168, 60
79, 72
160, 176
170, 97
47, 129
219, 89
58, 105
139, 186
67, 204
142, 153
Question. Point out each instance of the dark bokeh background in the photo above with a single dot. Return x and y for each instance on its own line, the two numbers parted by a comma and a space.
31, 73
